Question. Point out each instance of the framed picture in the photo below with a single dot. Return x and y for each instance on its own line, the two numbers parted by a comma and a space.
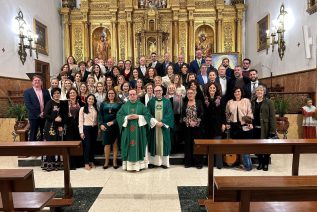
41, 30
262, 27
218, 57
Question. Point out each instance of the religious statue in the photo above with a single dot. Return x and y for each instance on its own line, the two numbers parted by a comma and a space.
102, 50
204, 45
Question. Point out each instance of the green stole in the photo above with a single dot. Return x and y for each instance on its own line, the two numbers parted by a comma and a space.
158, 131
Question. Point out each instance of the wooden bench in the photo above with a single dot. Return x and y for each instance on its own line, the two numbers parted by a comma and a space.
253, 146
263, 206
28, 201
246, 189
64, 148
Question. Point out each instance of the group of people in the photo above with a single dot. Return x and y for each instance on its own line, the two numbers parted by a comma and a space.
146, 112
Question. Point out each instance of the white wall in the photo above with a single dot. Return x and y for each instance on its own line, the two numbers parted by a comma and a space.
45, 11
294, 59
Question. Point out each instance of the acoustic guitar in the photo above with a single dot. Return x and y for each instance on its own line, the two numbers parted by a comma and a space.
230, 159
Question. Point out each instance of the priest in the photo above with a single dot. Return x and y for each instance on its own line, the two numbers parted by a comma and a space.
163, 120
133, 119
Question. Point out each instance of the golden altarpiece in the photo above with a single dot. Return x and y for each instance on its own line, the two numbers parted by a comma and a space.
135, 28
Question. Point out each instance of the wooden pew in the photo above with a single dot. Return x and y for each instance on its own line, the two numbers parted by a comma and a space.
64, 148
28, 201
246, 189
254, 146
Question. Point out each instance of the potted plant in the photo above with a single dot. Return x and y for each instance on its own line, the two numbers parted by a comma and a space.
281, 108
19, 112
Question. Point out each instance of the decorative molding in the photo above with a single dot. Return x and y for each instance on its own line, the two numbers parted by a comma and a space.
228, 41
311, 6
122, 40
204, 4
78, 42
99, 6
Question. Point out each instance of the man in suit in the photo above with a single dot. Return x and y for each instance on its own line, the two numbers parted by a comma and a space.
210, 67
165, 64
229, 71
195, 65
224, 82
35, 99
246, 63
109, 67
249, 88
142, 66
202, 78
178, 65
155, 63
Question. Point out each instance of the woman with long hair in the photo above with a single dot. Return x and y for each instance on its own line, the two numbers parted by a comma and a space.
149, 76
109, 84
214, 117
97, 74
83, 71
134, 77
109, 126
68, 84
139, 88
127, 70
180, 88
100, 94
115, 72
167, 79
120, 81
71, 62
78, 80
88, 129
83, 93
72, 131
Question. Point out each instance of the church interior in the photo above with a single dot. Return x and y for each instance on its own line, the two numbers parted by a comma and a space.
278, 36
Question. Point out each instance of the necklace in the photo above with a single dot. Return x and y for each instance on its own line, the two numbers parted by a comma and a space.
110, 109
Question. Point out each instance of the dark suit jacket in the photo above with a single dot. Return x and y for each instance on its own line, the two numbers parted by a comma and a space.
230, 73
32, 103
232, 85
163, 68
177, 68
141, 75
248, 93
201, 81
194, 67
158, 67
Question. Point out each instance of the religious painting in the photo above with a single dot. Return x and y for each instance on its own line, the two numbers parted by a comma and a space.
262, 28
41, 31
151, 45
101, 43
217, 59
204, 40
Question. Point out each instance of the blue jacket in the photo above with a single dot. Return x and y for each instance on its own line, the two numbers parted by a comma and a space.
32, 103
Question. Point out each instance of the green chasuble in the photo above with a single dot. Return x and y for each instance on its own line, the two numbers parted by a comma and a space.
160, 140
133, 136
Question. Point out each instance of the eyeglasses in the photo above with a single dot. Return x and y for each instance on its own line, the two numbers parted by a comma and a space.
158, 91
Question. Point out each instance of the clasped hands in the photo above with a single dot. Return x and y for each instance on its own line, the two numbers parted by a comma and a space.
159, 124
133, 116
104, 128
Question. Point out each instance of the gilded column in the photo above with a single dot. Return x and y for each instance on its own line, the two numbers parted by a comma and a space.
191, 37
175, 42
130, 36
240, 8
114, 37
86, 52
67, 47
219, 8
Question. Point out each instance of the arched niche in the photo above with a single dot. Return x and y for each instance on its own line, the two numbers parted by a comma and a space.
101, 49
204, 39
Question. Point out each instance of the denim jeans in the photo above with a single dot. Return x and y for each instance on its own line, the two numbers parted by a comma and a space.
247, 163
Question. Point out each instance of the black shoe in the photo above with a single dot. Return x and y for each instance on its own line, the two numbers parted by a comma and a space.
187, 166
265, 167
164, 167
260, 166
115, 167
105, 167
151, 166
199, 166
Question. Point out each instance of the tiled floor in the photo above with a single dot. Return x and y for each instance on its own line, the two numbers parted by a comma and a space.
155, 189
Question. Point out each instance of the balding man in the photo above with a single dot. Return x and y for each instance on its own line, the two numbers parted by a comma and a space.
178, 65
165, 64
142, 66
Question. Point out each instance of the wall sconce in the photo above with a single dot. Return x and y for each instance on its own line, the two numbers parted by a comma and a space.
278, 30
25, 32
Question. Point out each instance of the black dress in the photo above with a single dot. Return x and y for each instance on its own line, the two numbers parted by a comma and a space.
52, 110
